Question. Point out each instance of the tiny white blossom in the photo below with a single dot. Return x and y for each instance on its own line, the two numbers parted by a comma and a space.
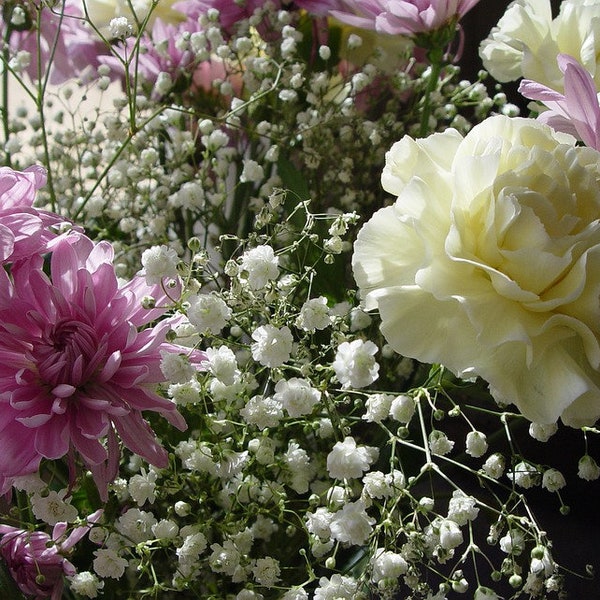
476, 444
266, 571
142, 487
85, 584
159, 262
176, 367
339, 587
377, 407
262, 412
53, 508
542, 433
314, 314
222, 363
185, 393
208, 313
513, 542
296, 396
485, 593
450, 534
261, 265
349, 461
461, 508
439, 443
494, 465
120, 28
402, 408
553, 480
273, 346
587, 468
108, 563
251, 172
386, 564
355, 364
524, 475
352, 524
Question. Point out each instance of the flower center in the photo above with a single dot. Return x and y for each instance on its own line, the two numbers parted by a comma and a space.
68, 353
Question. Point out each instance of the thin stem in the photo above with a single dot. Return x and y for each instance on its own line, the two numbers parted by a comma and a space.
435, 56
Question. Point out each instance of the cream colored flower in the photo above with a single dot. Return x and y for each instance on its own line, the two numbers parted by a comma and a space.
527, 41
489, 262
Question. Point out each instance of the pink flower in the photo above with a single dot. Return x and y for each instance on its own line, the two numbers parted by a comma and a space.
577, 111
402, 17
36, 561
78, 364
24, 230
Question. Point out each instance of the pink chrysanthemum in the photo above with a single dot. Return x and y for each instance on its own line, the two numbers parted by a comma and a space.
24, 230
36, 560
78, 364
402, 17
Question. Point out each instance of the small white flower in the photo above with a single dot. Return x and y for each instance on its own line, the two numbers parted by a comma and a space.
108, 563
165, 529
295, 594
159, 262
208, 313
513, 542
553, 480
266, 571
387, 564
450, 534
222, 363
377, 407
185, 393
261, 266
319, 522
485, 593
542, 433
352, 524
349, 461
339, 587
53, 508
85, 584
120, 28
142, 487
314, 314
439, 443
273, 346
587, 468
476, 444
251, 172
524, 475
193, 546
296, 396
402, 408
494, 465
176, 367
262, 412
355, 365
461, 508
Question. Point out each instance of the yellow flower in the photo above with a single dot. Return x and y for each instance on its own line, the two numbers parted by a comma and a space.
489, 263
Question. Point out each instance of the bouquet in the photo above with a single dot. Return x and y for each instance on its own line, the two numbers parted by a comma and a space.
288, 308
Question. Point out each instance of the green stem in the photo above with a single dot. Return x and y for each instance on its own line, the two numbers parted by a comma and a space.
5, 74
435, 57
